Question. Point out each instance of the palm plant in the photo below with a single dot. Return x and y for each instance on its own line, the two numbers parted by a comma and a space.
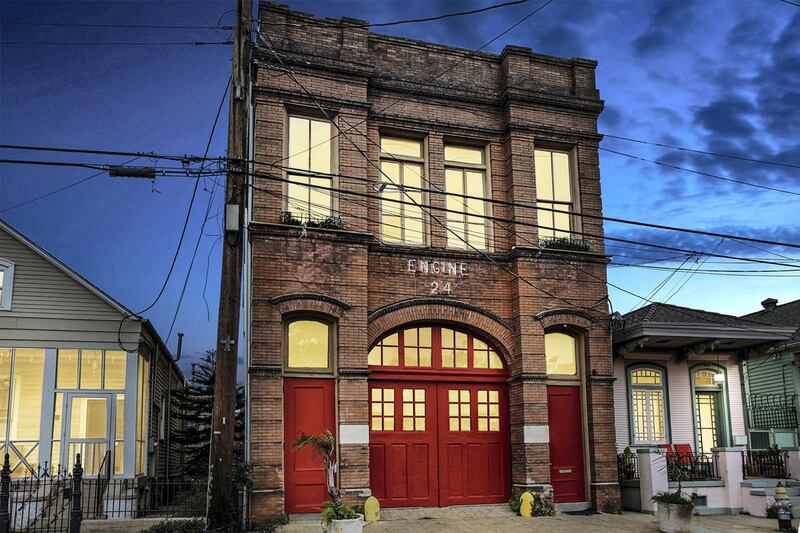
324, 445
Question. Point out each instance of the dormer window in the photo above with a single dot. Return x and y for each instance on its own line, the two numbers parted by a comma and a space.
6, 283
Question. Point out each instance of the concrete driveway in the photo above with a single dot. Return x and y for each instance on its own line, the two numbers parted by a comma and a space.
480, 519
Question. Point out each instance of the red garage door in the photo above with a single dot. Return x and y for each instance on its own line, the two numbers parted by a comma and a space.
439, 432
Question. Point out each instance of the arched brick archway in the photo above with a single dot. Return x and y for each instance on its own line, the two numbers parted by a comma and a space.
491, 327
564, 317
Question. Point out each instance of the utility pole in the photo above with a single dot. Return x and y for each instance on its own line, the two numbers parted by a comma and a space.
221, 497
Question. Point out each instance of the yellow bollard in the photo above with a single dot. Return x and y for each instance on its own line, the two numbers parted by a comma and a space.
526, 504
372, 510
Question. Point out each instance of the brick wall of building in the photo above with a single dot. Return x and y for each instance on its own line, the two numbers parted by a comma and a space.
510, 103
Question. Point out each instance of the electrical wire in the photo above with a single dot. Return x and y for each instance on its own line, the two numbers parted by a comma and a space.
152, 155
703, 152
114, 43
88, 25
701, 173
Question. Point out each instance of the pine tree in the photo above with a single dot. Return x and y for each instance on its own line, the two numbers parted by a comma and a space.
193, 406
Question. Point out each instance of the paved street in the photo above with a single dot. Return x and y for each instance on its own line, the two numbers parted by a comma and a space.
480, 519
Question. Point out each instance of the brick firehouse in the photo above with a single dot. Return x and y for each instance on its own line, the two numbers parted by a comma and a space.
420, 277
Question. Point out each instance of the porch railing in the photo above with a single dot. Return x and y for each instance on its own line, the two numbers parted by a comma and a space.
628, 466
692, 467
764, 463
767, 411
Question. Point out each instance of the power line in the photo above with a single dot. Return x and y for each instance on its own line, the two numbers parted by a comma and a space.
151, 155
185, 225
790, 3
348, 24
160, 171
718, 272
112, 43
89, 25
58, 190
701, 173
703, 152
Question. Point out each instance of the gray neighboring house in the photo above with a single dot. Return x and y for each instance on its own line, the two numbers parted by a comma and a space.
772, 381
71, 380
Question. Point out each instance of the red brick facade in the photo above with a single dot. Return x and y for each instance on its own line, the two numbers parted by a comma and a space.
510, 103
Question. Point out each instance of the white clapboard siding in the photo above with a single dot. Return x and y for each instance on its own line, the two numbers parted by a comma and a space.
621, 405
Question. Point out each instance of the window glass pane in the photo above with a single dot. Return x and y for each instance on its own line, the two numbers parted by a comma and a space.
475, 187
58, 411
308, 344
298, 143
120, 420
397, 146
454, 181
646, 377
320, 146
463, 154
91, 369
88, 418
67, 371
320, 197
704, 378
544, 219
26, 391
412, 175
5, 386
115, 369
544, 175
561, 175
560, 352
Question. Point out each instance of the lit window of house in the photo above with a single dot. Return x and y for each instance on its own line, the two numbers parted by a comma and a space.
413, 409
6, 281
21, 406
308, 345
561, 354
465, 175
402, 167
647, 405
310, 151
554, 195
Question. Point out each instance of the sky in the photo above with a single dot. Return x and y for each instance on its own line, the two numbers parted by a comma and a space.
715, 76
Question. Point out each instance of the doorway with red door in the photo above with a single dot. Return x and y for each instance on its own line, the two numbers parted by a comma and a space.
439, 426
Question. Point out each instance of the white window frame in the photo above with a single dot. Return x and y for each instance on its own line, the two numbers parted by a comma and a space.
662, 388
574, 191
289, 172
8, 284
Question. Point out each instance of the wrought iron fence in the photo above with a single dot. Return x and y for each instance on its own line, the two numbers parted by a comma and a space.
764, 463
692, 467
628, 465
57, 500
769, 411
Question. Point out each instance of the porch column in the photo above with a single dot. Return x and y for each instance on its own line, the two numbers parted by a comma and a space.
652, 476
729, 468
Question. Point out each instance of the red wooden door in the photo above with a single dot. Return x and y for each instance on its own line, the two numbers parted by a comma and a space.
474, 451
402, 444
309, 409
566, 444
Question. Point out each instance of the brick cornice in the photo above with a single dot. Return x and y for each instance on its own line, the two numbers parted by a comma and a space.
299, 302
351, 373
528, 376
566, 315
310, 296
266, 229
435, 300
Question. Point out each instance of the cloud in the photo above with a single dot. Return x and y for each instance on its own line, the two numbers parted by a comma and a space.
727, 116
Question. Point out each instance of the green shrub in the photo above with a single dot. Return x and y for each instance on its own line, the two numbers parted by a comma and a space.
514, 504
178, 526
677, 497
543, 506
338, 512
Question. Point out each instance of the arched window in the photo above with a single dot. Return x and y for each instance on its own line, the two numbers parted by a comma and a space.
6, 283
561, 353
309, 345
647, 405
710, 414
434, 347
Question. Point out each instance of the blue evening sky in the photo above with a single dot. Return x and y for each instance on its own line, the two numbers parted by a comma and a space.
719, 76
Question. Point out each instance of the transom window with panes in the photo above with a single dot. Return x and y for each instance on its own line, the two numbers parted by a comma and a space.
465, 184
555, 195
309, 345
402, 176
434, 347
647, 401
311, 166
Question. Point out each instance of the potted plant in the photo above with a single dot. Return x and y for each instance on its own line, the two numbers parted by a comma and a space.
336, 517
675, 509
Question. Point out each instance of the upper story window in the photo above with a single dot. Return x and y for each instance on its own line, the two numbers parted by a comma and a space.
402, 166
6, 282
554, 194
308, 345
310, 149
465, 175
90, 369
647, 405
561, 354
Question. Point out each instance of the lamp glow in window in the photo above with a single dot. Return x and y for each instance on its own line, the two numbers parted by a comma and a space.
382, 410
465, 175
402, 165
553, 193
454, 349
560, 352
488, 410
458, 405
310, 150
647, 406
413, 409
308, 344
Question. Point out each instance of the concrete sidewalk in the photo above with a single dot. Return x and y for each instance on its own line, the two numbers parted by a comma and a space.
480, 519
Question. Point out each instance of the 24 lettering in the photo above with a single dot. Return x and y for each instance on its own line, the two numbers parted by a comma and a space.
444, 288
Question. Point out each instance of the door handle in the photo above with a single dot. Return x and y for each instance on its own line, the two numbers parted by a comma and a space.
564, 470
